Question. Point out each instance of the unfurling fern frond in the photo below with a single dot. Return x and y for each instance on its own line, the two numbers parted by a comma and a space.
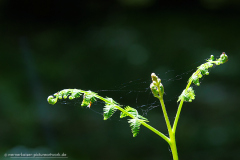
88, 98
187, 96
76, 93
108, 109
135, 125
158, 91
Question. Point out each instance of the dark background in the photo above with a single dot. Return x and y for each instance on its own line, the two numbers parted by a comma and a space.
47, 46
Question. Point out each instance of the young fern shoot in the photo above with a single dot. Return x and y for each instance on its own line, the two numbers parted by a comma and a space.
157, 89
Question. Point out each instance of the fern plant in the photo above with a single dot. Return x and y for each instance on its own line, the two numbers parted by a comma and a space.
136, 120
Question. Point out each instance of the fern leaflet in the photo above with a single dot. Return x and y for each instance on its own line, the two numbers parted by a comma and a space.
135, 126
108, 109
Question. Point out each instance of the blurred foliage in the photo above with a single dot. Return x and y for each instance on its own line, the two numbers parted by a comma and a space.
47, 46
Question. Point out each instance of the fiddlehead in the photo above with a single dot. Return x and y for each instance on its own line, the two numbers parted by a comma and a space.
109, 109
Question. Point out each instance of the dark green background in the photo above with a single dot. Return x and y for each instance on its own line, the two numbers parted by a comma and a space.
47, 46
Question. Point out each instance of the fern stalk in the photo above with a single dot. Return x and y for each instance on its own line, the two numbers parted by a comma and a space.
157, 89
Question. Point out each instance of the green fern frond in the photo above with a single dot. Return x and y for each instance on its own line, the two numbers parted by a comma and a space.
51, 100
135, 126
76, 93
223, 58
63, 94
187, 96
88, 98
108, 109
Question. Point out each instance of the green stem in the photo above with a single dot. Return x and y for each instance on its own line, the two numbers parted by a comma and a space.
180, 107
172, 142
173, 146
165, 115
170, 132
156, 131
177, 117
